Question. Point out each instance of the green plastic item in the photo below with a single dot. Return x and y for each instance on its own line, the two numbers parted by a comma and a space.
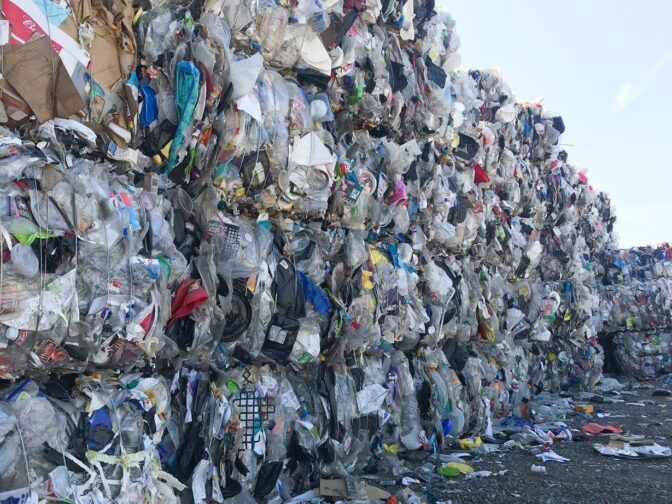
453, 469
448, 471
357, 95
28, 239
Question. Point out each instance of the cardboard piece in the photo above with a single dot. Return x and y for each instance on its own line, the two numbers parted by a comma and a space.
339, 488
26, 20
333, 488
38, 75
375, 493
105, 61
113, 57
81, 10
102, 101
15, 108
114, 47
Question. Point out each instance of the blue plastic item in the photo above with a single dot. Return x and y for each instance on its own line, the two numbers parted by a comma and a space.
187, 77
150, 110
317, 297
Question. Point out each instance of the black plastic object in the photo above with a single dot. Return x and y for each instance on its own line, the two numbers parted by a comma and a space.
238, 319
435, 73
252, 409
290, 299
157, 138
456, 354
268, 475
255, 170
280, 339
191, 450
57, 458
231, 488
559, 124
181, 332
310, 76
467, 148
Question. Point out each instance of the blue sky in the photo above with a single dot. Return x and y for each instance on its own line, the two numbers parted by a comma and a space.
606, 67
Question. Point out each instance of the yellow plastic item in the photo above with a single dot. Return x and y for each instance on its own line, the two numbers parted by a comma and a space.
138, 15
391, 449
452, 469
584, 408
366, 280
376, 256
468, 443
166, 149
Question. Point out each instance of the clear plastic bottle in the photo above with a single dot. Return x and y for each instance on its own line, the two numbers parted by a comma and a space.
25, 261
271, 26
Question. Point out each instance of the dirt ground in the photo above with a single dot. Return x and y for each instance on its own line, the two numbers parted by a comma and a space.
589, 476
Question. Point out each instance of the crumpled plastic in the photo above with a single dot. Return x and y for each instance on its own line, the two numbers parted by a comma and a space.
626, 450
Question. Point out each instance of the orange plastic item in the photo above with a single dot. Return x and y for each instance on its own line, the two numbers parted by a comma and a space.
584, 408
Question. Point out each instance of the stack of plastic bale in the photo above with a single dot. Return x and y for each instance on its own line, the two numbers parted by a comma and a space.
541, 234
637, 289
87, 260
86, 274
292, 243
644, 355
87, 438
636, 305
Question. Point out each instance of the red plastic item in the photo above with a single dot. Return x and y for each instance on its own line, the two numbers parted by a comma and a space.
595, 428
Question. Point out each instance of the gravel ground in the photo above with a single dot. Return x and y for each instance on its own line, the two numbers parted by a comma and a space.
588, 477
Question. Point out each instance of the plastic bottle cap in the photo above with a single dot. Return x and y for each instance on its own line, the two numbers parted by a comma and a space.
12, 333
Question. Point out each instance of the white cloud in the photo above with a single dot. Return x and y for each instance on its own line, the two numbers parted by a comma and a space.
629, 93
661, 63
